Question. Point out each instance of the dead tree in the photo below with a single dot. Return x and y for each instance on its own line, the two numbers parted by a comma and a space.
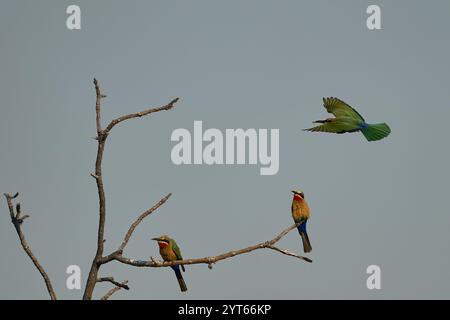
17, 218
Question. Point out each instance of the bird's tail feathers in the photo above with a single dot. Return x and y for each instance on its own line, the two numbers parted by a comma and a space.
306, 244
305, 239
180, 279
375, 132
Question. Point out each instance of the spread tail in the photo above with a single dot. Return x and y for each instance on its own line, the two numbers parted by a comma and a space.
374, 132
180, 279
305, 239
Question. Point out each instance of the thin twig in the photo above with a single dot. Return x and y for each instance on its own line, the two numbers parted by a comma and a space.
114, 282
114, 290
133, 226
289, 253
17, 221
116, 121
98, 114
139, 220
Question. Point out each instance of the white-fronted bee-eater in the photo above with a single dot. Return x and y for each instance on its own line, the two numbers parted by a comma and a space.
170, 251
300, 213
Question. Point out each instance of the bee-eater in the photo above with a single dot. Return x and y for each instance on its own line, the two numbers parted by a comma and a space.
300, 213
348, 119
170, 251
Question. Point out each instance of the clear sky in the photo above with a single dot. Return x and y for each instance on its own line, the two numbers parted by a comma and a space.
234, 64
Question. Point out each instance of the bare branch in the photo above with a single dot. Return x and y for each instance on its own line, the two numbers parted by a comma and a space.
101, 139
114, 290
102, 135
111, 279
133, 226
17, 221
289, 253
97, 107
139, 220
9, 199
116, 121
211, 259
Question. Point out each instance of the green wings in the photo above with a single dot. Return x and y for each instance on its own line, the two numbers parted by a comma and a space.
334, 126
177, 251
346, 118
340, 109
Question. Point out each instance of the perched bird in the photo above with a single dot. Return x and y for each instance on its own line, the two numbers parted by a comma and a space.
170, 251
348, 119
300, 213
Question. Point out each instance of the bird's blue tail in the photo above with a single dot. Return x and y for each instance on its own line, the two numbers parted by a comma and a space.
305, 239
302, 228
180, 279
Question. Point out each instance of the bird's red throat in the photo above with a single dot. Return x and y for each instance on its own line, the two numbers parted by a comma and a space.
162, 244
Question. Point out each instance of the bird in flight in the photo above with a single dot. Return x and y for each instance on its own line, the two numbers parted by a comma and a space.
348, 119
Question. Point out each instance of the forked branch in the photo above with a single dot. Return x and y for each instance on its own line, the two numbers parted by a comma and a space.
17, 219
119, 286
102, 135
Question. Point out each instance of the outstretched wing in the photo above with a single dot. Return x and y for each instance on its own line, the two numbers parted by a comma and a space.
340, 109
177, 251
337, 126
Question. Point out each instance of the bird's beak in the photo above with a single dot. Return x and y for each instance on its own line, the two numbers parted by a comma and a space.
293, 191
156, 239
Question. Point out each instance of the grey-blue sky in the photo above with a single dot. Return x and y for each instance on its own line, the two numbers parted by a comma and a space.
252, 64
